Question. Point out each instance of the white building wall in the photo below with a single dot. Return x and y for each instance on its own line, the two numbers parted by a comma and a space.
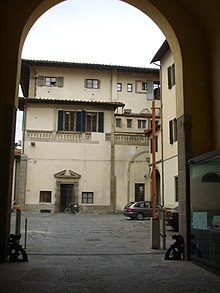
170, 151
92, 158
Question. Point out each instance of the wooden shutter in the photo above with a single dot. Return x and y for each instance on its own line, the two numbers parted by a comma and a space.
40, 80
171, 131
169, 76
101, 122
83, 121
80, 121
156, 143
60, 81
60, 120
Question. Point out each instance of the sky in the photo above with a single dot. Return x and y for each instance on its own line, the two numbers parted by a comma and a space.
93, 31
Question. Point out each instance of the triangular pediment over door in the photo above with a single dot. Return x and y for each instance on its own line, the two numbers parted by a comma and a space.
67, 174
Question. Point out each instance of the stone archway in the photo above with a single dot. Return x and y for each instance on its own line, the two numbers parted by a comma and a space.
195, 45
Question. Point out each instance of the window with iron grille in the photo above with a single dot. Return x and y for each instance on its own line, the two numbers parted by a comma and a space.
45, 196
87, 197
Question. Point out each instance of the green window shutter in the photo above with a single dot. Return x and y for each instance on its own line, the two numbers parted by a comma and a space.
60, 81
40, 80
169, 75
83, 121
101, 122
171, 131
156, 143
80, 121
60, 120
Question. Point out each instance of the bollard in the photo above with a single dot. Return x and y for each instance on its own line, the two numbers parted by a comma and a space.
155, 233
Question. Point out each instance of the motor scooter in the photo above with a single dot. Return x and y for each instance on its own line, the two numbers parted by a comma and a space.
72, 208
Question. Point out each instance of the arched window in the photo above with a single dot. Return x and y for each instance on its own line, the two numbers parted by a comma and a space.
211, 177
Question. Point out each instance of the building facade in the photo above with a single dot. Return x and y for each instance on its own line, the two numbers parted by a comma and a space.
83, 135
167, 162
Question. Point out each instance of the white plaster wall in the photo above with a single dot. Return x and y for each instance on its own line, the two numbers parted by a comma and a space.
90, 161
38, 118
168, 106
170, 171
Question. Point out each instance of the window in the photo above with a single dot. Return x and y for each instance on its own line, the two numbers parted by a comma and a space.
119, 87
171, 76
176, 188
144, 86
50, 81
118, 122
92, 83
80, 121
87, 197
69, 121
129, 123
129, 87
91, 121
156, 144
151, 123
45, 196
141, 123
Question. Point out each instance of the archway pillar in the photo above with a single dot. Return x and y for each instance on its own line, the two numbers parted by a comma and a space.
184, 129
7, 130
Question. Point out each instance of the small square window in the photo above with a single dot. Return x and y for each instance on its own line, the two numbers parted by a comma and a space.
92, 83
118, 122
129, 87
141, 123
144, 86
45, 196
129, 123
87, 197
50, 81
119, 87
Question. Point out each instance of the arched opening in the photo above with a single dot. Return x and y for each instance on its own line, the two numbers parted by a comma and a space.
187, 44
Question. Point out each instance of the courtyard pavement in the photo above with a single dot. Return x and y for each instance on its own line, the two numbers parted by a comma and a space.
104, 253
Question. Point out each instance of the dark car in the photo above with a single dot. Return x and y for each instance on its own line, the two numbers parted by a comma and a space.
172, 218
140, 209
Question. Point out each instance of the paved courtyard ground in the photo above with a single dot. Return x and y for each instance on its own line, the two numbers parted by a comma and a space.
97, 253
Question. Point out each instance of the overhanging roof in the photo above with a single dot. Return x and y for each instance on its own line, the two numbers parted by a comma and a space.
160, 53
26, 64
108, 105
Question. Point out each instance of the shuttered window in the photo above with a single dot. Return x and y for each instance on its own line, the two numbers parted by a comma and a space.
80, 121
171, 76
51, 81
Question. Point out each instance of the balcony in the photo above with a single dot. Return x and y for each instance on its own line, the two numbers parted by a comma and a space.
66, 136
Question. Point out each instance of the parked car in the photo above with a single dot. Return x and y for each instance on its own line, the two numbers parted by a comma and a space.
140, 209
172, 218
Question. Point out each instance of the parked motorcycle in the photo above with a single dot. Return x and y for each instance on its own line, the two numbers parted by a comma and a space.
72, 208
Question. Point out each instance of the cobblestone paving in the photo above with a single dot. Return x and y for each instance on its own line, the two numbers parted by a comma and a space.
98, 253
